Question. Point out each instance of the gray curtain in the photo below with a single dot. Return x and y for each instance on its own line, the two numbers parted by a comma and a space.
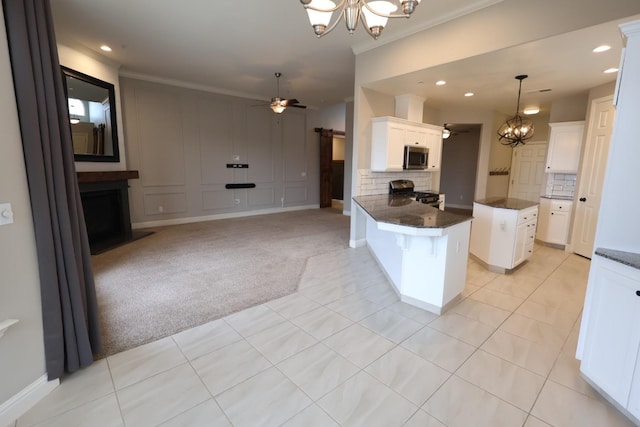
69, 308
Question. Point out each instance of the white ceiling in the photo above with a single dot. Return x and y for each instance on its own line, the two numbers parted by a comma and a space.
236, 47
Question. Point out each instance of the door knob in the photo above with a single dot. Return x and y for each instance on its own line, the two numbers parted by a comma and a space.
583, 199
638, 293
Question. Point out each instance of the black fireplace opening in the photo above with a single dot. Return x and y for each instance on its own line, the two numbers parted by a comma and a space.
106, 214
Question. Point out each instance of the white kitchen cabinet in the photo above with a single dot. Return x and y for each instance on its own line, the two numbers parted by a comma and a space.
434, 144
609, 333
503, 237
565, 142
389, 135
553, 221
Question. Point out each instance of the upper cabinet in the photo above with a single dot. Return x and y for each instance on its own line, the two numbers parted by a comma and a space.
389, 135
565, 141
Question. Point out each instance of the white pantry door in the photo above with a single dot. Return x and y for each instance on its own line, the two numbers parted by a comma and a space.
591, 176
527, 171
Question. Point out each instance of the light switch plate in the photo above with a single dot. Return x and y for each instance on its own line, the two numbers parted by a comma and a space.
6, 215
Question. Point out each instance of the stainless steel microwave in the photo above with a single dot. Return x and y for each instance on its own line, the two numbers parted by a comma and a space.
415, 157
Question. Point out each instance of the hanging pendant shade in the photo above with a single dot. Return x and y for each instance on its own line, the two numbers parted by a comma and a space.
517, 130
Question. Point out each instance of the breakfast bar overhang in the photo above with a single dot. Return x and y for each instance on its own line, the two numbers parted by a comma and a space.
422, 250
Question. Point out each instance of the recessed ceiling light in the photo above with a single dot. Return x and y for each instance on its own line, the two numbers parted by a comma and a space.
469, 94
531, 110
602, 48
441, 83
105, 48
610, 70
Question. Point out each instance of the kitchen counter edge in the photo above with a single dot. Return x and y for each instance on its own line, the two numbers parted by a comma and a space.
627, 258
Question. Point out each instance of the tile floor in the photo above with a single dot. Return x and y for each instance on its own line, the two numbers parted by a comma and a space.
343, 351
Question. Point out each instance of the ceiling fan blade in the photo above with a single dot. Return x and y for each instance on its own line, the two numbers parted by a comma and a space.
297, 106
292, 101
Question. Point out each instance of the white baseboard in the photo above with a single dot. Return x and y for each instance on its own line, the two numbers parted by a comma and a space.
20, 403
177, 221
357, 243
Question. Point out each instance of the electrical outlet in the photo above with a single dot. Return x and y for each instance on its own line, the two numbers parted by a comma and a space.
237, 201
160, 209
235, 158
303, 174
6, 214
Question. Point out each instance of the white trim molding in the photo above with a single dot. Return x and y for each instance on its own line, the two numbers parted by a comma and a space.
20, 403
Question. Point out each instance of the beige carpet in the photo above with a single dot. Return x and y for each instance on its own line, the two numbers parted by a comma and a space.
186, 275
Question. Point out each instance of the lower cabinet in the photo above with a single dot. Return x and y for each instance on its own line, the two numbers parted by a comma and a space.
553, 223
503, 238
610, 332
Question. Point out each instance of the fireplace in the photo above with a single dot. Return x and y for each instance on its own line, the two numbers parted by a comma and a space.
105, 202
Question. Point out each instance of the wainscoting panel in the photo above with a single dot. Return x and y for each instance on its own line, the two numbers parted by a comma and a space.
260, 145
219, 199
295, 195
261, 197
294, 147
160, 138
216, 140
165, 203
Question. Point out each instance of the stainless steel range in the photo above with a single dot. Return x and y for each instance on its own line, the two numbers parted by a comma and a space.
405, 187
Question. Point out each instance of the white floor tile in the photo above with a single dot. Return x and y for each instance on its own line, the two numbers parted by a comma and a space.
206, 338
422, 419
391, 325
81, 387
364, 401
463, 328
266, 399
281, 341
359, 345
224, 368
322, 322
436, 347
483, 313
312, 416
318, 370
253, 320
536, 358
140, 363
292, 305
207, 413
561, 406
497, 299
162, 397
354, 307
459, 403
408, 374
503, 379
103, 412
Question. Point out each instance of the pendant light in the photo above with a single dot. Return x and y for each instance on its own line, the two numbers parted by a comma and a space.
517, 129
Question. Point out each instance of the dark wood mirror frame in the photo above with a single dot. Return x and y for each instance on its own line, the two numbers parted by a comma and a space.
104, 137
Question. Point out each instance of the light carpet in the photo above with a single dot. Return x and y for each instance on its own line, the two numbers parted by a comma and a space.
186, 275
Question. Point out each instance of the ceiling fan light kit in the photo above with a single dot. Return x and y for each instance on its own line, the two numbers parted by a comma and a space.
446, 132
374, 14
278, 105
517, 130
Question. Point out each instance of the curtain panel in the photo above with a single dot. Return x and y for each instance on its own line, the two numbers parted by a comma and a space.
69, 307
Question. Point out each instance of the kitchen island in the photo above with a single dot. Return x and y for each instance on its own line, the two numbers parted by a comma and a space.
504, 232
422, 250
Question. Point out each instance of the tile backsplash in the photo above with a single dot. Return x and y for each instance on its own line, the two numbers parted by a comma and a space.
378, 182
561, 184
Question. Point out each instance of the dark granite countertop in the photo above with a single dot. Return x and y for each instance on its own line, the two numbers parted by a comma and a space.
569, 198
507, 203
403, 210
627, 258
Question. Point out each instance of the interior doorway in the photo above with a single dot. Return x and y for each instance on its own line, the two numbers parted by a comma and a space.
332, 153
459, 166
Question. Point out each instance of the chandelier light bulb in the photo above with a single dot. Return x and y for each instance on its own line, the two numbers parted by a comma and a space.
375, 14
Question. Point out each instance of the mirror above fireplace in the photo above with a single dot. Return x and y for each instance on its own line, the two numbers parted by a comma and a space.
92, 114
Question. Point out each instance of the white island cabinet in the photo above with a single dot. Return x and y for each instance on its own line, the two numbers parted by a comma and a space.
422, 250
503, 232
609, 341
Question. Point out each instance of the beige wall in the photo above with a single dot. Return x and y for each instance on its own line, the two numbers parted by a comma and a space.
569, 109
181, 140
21, 348
86, 64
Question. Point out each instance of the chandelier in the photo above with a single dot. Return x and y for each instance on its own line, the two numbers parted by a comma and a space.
375, 14
517, 129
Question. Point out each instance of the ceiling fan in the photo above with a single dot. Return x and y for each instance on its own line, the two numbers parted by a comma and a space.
278, 105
